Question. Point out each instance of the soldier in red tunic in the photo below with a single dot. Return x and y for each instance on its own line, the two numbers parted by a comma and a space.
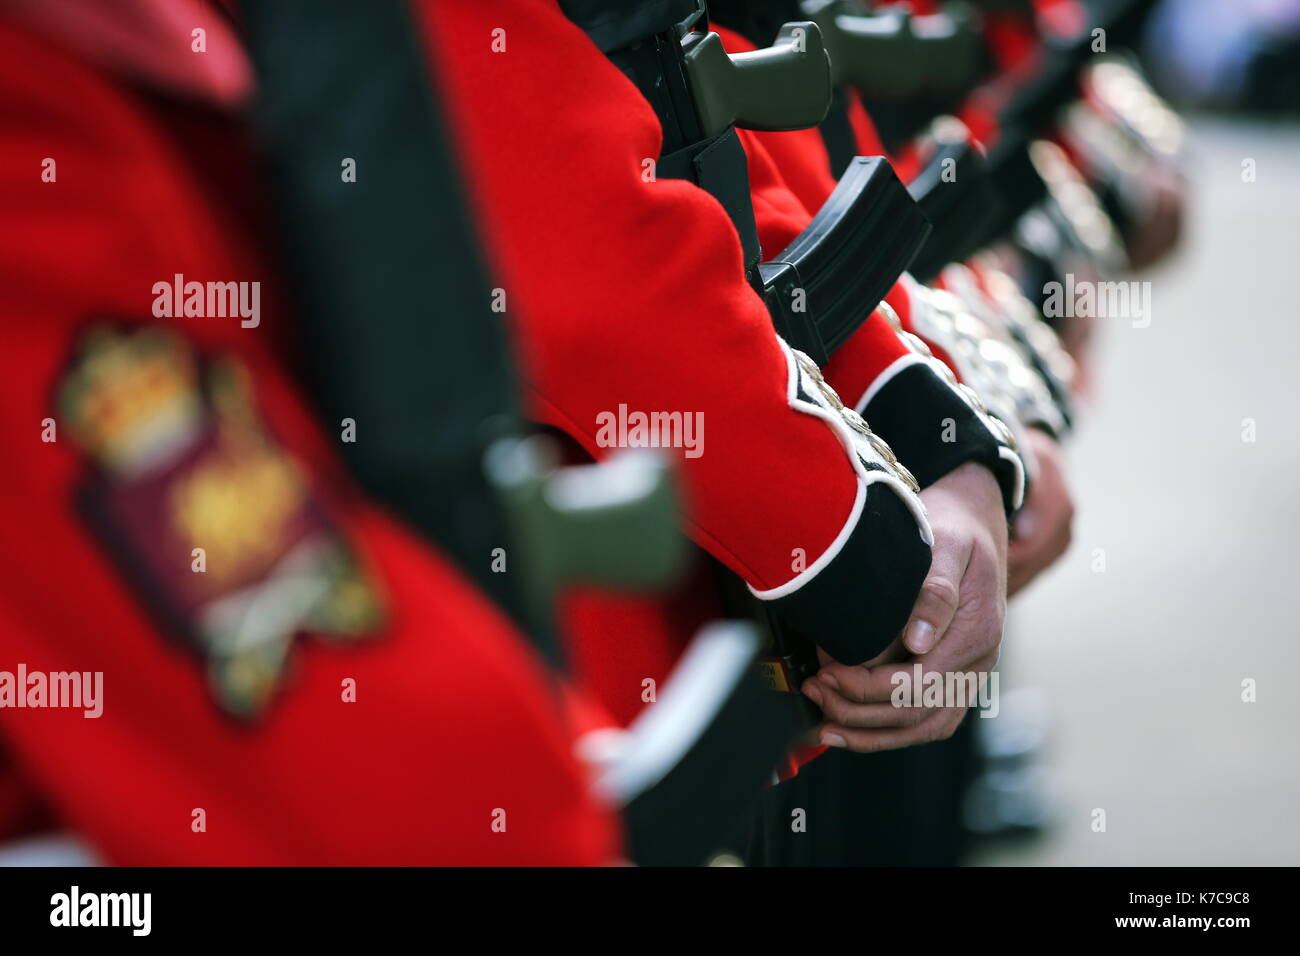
228, 653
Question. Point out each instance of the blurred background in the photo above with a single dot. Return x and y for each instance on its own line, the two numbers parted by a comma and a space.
1146, 678
1142, 664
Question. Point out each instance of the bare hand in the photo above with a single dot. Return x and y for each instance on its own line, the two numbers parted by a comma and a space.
1041, 533
956, 625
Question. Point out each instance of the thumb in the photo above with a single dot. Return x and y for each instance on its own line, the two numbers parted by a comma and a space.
934, 609
1026, 524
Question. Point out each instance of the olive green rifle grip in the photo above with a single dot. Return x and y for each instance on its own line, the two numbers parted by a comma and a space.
615, 524
782, 87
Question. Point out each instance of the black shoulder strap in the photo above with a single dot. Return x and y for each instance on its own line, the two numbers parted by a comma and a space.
397, 329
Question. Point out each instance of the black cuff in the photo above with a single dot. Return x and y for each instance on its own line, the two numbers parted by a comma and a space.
860, 601
933, 430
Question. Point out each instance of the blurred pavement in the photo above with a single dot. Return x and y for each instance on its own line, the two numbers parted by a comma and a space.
1201, 533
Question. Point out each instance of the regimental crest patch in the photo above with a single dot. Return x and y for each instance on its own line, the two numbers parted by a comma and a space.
207, 516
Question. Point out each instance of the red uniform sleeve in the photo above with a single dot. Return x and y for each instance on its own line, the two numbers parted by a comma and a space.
789, 179
629, 291
901, 391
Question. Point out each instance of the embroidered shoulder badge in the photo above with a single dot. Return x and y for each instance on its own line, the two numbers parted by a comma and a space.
206, 515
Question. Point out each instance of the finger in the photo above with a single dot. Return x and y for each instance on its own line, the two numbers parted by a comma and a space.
1025, 526
903, 709
1018, 575
836, 709
940, 726
937, 601
1027, 558
1064, 530
863, 685
1031, 531
814, 691
977, 628
892, 654
1023, 565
